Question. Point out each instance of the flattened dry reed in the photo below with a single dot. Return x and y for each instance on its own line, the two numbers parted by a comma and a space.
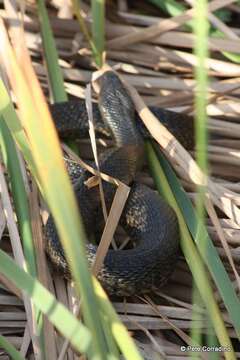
157, 60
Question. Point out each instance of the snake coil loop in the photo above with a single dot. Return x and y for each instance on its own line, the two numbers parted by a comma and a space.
146, 218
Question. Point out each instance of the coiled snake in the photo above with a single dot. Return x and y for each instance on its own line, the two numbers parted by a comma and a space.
146, 217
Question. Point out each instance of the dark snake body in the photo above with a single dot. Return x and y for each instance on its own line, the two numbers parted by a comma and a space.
146, 217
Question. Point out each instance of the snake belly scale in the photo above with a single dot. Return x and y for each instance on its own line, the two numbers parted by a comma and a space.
147, 218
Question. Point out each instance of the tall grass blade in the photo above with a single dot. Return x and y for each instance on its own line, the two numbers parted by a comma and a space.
191, 254
50, 51
10, 349
13, 123
76, 5
105, 318
98, 29
209, 255
120, 333
53, 177
65, 322
11, 160
201, 27
20, 198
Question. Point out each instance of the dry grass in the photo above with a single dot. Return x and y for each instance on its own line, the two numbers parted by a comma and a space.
157, 62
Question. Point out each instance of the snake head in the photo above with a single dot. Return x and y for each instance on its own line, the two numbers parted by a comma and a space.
118, 111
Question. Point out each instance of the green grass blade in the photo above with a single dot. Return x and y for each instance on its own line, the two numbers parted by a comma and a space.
201, 27
229, 55
191, 254
197, 303
120, 333
98, 29
97, 40
171, 7
210, 255
61, 317
98, 58
55, 76
76, 5
62, 204
13, 123
20, 200
127, 345
109, 337
11, 160
10, 349
105, 325
54, 70
174, 8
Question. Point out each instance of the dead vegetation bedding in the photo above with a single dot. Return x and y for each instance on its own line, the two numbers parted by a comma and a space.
153, 54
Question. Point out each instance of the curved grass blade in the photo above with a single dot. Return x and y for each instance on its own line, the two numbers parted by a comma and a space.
127, 345
209, 255
53, 179
65, 322
10, 349
190, 252
52, 173
105, 319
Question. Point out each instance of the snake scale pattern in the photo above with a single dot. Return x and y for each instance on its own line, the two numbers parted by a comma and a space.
147, 219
